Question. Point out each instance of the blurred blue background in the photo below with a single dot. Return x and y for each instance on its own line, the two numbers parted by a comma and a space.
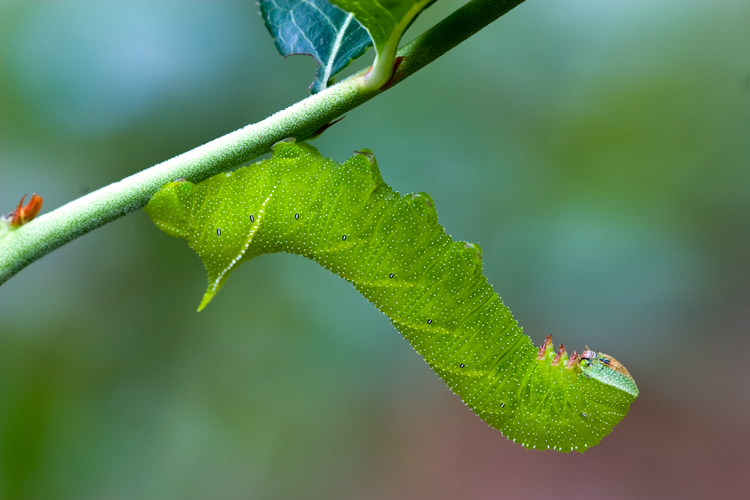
598, 151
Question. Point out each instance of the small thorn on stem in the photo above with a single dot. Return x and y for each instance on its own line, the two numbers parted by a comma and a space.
559, 355
23, 214
546, 345
322, 129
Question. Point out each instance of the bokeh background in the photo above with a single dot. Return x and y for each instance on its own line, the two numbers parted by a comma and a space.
598, 151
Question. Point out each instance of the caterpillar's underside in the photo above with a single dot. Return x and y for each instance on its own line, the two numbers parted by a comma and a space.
392, 249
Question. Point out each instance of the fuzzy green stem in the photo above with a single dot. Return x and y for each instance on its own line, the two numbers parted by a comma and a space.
52, 230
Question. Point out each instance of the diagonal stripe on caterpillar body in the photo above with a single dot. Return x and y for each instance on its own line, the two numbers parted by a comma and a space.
392, 249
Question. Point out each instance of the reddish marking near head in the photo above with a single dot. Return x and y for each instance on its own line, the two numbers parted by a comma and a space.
543, 348
573, 360
558, 356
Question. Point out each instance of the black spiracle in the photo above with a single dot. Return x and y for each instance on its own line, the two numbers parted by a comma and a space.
252, 219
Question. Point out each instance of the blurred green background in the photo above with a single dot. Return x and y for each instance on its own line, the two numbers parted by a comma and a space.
598, 151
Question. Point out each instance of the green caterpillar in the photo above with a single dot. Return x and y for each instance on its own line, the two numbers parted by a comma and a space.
394, 252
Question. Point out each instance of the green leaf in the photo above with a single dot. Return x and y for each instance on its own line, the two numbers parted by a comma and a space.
394, 252
386, 21
331, 36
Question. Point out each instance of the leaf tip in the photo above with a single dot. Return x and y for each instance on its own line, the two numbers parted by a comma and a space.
206, 299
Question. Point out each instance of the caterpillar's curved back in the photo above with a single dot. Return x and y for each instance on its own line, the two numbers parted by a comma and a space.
392, 249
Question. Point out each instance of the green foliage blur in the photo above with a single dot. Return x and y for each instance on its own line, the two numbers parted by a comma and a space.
598, 151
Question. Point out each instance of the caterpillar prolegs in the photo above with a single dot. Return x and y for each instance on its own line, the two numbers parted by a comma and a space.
394, 252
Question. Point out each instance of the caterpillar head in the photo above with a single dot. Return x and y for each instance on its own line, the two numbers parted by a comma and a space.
607, 370
590, 365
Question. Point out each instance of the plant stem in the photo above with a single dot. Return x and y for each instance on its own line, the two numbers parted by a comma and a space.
30, 242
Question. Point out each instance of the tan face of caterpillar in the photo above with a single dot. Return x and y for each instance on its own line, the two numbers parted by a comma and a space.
612, 363
607, 369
